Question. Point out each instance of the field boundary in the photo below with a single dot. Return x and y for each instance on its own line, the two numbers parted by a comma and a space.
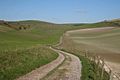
100, 63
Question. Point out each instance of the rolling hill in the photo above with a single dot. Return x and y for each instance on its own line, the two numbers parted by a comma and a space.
25, 43
20, 41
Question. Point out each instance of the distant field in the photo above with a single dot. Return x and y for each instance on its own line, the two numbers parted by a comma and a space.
37, 33
104, 42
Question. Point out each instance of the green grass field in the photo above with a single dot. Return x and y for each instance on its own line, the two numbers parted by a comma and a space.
21, 61
14, 44
37, 33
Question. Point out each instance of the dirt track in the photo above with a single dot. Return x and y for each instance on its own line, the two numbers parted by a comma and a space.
69, 70
73, 68
41, 72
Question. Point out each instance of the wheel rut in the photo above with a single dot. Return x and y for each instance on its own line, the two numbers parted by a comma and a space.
70, 69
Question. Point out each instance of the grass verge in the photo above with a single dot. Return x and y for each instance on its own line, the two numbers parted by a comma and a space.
19, 62
89, 69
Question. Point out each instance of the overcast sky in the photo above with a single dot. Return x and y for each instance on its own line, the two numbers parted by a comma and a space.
60, 11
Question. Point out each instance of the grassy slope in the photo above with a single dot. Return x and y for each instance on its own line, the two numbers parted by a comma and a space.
115, 23
4, 29
15, 57
38, 33
21, 61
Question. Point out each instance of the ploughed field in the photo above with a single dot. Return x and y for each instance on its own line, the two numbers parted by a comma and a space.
99, 41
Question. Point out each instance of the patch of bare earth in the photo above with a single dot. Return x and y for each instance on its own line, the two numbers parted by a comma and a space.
70, 69
91, 29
